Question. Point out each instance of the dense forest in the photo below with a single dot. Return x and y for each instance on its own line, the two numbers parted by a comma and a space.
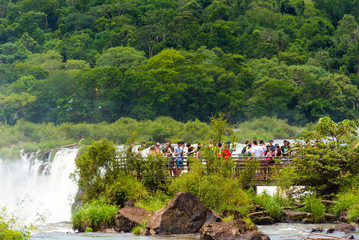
100, 60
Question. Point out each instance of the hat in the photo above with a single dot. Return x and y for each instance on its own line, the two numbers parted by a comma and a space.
271, 141
228, 142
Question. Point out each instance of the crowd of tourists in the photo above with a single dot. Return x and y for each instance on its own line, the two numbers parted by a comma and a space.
251, 149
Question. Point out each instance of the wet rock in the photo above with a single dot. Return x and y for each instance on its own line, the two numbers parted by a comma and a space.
330, 230
348, 236
295, 216
255, 236
343, 217
307, 220
329, 218
184, 214
266, 220
318, 229
128, 218
230, 231
103, 227
344, 227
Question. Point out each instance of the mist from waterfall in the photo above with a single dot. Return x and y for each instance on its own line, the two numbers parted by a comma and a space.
35, 191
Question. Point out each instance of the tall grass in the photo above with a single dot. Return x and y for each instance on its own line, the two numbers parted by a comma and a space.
272, 204
94, 213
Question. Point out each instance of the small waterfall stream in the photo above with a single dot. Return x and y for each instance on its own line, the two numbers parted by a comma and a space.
35, 191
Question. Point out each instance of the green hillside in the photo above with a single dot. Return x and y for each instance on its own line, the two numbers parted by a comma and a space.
100, 60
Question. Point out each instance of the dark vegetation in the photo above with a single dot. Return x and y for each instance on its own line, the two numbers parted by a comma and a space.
100, 60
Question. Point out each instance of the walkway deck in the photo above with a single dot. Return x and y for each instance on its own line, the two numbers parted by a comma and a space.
260, 178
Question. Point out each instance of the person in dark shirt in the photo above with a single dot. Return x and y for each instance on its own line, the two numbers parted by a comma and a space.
285, 148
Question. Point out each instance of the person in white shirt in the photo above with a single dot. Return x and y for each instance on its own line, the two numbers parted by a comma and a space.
257, 150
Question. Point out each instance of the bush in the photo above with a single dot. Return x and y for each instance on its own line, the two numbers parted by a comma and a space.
347, 201
272, 204
92, 214
100, 172
316, 207
214, 190
154, 202
9, 230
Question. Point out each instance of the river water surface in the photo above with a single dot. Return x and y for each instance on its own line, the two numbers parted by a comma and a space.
278, 231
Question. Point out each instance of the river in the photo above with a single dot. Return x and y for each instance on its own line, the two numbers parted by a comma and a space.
277, 231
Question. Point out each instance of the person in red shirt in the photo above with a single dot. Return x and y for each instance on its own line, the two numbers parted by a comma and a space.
225, 153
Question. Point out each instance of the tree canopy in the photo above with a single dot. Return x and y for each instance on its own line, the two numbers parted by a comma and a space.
100, 60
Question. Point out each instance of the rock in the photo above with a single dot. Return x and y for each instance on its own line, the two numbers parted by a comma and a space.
231, 212
266, 220
348, 236
102, 227
330, 230
230, 231
329, 218
344, 227
318, 229
184, 214
307, 220
255, 236
343, 217
295, 216
128, 218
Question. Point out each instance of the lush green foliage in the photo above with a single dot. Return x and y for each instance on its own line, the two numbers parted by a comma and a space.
100, 172
215, 190
324, 166
100, 60
9, 229
265, 128
272, 204
92, 214
316, 207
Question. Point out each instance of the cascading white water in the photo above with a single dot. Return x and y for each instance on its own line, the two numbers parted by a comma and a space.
34, 191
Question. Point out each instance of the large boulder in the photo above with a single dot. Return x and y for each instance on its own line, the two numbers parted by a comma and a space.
130, 217
184, 214
230, 231
344, 227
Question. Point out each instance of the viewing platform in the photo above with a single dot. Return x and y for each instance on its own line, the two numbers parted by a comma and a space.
260, 178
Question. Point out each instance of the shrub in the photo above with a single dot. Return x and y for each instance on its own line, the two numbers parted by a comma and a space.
99, 172
94, 213
154, 202
316, 207
347, 201
9, 230
272, 204
214, 190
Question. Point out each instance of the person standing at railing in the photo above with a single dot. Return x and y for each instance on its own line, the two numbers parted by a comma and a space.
278, 151
245, 148
168, 151
257, 150
285, 148
230, 147
178, 153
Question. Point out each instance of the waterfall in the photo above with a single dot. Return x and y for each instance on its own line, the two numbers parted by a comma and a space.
35, 191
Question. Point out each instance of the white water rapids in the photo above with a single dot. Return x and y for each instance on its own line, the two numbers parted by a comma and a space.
35, 191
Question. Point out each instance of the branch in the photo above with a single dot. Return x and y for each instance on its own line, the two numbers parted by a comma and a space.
55, 149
